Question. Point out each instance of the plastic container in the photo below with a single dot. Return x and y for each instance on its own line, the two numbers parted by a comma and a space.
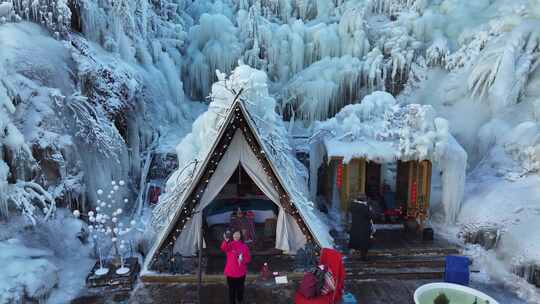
348, 298
457, 270
457, 294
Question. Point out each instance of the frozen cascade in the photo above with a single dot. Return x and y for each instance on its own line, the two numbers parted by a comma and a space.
141, 35
324, 42
503, 67
390, 7
323, 88
141, 198
315, 161
53, 14
315, 97
352, 31
4, 171
453, 165
438, 51
16, 160
213, 46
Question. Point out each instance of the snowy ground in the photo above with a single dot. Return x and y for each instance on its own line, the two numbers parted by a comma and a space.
501, 190
43, 262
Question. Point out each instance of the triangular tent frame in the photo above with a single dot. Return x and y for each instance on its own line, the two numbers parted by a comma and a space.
237, 119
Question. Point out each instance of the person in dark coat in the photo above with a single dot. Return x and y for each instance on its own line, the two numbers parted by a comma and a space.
361, 228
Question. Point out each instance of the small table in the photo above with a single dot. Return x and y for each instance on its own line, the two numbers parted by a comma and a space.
111, 280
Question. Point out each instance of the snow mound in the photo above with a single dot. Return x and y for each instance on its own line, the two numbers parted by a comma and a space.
26, 272
504, 189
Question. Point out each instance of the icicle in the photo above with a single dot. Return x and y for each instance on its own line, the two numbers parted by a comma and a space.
214, 46
142, 187
4, 171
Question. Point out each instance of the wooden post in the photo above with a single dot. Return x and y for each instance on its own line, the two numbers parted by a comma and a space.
402, 184
199, 282
425, 182
345, 188
353, 178
347, 179
362, 176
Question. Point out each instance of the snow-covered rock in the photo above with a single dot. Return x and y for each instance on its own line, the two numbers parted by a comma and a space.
26, 272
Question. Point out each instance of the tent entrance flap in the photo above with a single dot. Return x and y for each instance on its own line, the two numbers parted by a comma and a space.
289, 237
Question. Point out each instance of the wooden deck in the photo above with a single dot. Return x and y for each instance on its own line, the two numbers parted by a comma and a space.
394, 254
370, 291
398, 264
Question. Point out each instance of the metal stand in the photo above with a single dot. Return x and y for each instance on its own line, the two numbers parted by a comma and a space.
199, 284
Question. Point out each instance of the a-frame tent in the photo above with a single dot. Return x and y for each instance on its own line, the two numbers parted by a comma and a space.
238, 143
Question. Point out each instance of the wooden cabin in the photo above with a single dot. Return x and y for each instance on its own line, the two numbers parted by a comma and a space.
408, 191
383, 150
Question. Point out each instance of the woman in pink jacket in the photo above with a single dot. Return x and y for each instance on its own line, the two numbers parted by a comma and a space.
236, 265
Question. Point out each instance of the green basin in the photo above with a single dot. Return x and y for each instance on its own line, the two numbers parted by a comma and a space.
456, 294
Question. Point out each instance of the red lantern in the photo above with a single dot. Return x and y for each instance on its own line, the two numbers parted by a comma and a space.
339, 175
413, 192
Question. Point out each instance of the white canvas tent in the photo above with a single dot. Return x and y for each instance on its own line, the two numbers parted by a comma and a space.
289, 237
239, 142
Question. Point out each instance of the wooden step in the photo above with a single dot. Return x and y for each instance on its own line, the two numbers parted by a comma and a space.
407, 252
397, 263
398, 274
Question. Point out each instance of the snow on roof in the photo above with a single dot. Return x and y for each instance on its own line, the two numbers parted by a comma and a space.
381, 130
267, 125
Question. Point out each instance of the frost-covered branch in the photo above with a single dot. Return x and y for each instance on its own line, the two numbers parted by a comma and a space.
177, 185
29, 198
92, 128
503, 68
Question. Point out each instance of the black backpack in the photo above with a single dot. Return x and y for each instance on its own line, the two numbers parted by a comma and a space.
320, 277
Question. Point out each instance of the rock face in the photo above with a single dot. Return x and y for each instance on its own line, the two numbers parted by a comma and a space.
529, 272
485, 235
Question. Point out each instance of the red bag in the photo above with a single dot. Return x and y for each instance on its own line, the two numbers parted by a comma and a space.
308, 286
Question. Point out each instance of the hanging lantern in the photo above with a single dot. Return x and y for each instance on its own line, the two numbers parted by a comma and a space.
413, 193
339, 175
412, 207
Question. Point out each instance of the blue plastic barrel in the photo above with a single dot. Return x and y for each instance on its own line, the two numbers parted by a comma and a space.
457, 270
